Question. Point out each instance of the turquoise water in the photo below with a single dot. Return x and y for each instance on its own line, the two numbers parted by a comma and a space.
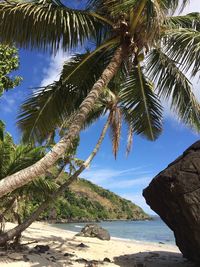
151, 231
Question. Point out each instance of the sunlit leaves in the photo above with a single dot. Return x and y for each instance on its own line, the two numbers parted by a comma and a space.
143, 106
183, 46
46, 26
191, 21
8, 62
48, 108
173, 85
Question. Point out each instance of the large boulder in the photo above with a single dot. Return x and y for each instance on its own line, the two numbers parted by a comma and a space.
94, 230
175, 195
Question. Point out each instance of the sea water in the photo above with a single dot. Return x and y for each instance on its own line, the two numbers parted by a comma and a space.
150, 230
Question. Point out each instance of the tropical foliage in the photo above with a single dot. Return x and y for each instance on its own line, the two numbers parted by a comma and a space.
14, 158
8, 62
138, 43
149, 75
84, 201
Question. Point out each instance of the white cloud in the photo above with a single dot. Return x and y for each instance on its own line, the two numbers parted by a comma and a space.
106, 175
10, 100
52, 72
128, 183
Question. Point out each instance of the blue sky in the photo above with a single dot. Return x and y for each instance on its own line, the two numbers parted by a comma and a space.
125, 176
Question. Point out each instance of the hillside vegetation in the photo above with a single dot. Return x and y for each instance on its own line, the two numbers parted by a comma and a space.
85, 201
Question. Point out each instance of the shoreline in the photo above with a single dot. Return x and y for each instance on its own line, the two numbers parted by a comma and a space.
119, 238
96, 221
65, 249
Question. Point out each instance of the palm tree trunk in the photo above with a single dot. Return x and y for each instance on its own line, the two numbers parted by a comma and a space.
16, 231
14, 181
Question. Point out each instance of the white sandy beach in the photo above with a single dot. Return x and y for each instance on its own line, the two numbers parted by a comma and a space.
64, 251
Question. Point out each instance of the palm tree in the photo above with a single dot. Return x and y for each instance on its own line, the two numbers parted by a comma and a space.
108, 102
14, 158
140, 38
16, 231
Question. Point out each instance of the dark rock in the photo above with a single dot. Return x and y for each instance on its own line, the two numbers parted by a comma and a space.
94, 230
106, 260
52, 258
175, 195
68, 254
81, 245
81, 260
93, 263
41, 248
26, 258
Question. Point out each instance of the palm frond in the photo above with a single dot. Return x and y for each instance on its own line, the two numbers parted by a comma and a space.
143, 107
115, 128
24, 156
129, 140
183, 46
41, 188
48, 107
7, 147
173, 5
2, 129
172, 84
47, 25
191, 20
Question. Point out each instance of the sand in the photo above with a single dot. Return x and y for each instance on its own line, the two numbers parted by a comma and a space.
65, 251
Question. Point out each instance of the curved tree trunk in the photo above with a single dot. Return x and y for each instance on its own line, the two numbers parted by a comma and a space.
16, 231
14, 181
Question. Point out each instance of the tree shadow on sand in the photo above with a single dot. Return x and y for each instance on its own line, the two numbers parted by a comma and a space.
153, 259
61, 252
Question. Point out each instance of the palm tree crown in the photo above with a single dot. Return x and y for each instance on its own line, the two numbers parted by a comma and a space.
149, 73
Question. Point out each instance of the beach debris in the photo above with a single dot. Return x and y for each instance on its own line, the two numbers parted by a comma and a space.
69, 254
106, 260
26, 258
81, 245
174, 194
94, 230
81, 260
89, 263
40, 249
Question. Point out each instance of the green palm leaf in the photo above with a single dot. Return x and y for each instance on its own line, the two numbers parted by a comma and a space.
143, 106
46, 26
183, 46
42, 187
191, 20
24, 156
172, 84
48, 108
172, 5
2, 129
7, 148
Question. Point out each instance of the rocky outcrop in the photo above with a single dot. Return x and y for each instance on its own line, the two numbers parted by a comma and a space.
175, 195
94, 230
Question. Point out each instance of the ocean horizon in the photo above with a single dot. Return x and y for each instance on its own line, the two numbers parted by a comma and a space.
154, 230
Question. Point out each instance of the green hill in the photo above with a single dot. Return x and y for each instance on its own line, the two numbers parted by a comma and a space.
85, 201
